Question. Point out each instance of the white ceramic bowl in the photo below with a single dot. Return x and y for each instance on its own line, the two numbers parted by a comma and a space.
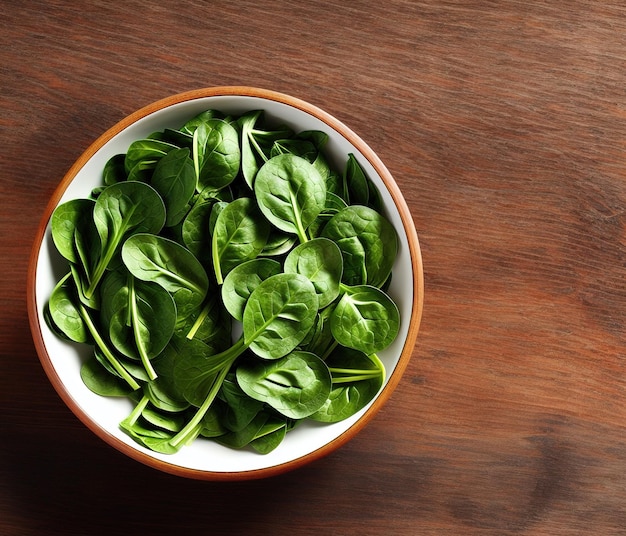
205, 459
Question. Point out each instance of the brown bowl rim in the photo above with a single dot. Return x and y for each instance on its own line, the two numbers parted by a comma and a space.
414, 253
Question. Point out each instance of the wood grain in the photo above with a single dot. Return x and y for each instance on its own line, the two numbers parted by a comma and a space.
504, 124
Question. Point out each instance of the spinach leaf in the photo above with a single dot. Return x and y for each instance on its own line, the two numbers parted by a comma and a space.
290, 193
195, 231
66, 224
321, 262
297, 385
302, 148
154, 258
72, 318
99, 379
356, 188
121, 210
216, 154
240, 408
114, 170
242, 437
146, 153
242, 280
278, 244
368, 242
190, 126
320, 339
195, 369
175, 180
269, 436
250, 151
209, 322
365, 319
278, 315
239, 235
141, 317
65, 311
357, 378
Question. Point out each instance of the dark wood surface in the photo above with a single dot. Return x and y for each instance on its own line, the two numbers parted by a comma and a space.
504, 124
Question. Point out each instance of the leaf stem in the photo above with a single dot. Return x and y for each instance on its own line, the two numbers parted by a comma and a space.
201, 317
191, 426
141, 347
105, 349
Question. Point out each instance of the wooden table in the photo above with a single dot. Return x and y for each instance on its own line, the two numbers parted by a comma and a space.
504, 124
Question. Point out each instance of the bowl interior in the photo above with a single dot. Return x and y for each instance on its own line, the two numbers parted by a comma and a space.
206, 459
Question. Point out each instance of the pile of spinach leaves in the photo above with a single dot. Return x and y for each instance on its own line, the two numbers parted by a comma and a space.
230, 282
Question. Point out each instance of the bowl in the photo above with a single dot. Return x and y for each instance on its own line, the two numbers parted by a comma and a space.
204, 459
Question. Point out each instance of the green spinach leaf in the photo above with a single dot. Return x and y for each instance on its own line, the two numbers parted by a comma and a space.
290, 193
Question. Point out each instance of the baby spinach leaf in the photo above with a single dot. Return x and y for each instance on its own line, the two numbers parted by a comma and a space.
239, 235
240, 408
99, 380
302, 148
209, 322
72, 318
334, 204
356, 189
65, 311
216, 154
269, 436
121, 210
146, 152
141, 317
278, 315
161, 420
195, 369
290, 193
175, 180
250, 151
320, 338
357, 379
66, 223
163, 395
195, 231
190, 126
114, 170
321, 262
242, 437
368, 242
278, 243
211, 424
365, 319
154, 258
296, 385
241, 282
121, 365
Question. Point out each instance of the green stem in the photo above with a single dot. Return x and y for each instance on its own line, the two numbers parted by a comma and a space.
333, 345
137, 411
141, 347
256, 145
109, 252
201, 317
221, 362
105, 349
381, 366
352, 379
191, 427
196, 161
300, 230
357, 372
216, 261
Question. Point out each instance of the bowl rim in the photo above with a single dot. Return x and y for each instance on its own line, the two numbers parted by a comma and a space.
414, 255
